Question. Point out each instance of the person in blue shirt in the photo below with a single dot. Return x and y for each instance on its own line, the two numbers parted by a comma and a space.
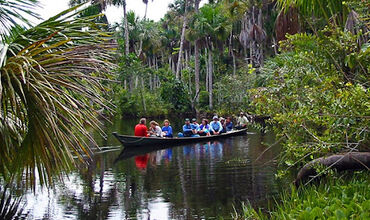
167, 129
228, 124
187, 130
194, 124
203, 129
215, 126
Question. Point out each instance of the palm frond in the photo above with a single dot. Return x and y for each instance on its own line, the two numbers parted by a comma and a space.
14, 13
332, 10
51, 86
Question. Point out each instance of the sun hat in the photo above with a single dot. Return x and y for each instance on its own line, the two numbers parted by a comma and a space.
186, 119
194, 119
215, 117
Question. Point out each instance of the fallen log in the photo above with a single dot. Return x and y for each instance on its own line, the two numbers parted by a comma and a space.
340, 162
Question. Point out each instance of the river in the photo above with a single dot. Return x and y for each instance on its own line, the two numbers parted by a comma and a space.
196, 181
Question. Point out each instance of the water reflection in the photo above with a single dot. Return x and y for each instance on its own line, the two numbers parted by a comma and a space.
196, 181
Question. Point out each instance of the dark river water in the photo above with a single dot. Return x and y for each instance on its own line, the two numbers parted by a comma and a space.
196, 181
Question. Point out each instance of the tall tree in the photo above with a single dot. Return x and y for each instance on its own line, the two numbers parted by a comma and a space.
146, 2
196, 58
185, 20
213, 28
125, 22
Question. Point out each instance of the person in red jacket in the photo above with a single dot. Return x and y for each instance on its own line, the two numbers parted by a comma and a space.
141, 129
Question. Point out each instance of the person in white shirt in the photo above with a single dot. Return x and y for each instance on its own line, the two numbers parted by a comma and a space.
242, 121
155, 130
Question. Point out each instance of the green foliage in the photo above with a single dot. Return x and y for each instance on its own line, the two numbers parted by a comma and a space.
336, 198
232, 92
334, 10
317, 100
203, 99
50, 90
16, 13
131, 103
174, 92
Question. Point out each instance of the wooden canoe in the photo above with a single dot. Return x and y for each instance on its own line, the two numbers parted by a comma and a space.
129, 141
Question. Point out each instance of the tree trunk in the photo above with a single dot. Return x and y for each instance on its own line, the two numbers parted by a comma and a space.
140, 47
136, 81
150, 76
210, 81
207, 70
197, 69
260, 24
146, 9
142, 94
340, 162
182, 41
252, 42
127, 40
232, 52
196, 57
186, 64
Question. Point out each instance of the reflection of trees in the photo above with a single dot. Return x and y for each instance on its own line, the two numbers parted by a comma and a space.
92, 203
200, 181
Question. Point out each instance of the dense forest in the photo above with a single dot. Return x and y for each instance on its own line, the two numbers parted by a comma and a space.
304, 64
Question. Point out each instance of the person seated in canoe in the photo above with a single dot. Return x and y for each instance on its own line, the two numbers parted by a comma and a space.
215, 126
242, 121
203, 129
167, 129
155, 130
140, 129
222, 121
187, 130
194, 125
228, 124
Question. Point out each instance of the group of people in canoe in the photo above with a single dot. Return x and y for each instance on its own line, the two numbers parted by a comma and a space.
191, 128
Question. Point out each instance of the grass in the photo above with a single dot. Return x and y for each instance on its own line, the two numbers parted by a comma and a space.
343, 197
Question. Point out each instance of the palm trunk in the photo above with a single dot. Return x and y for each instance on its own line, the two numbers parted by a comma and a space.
260, 49
150, 75
142, 94
127, 40
196, 57
210, 81
146, 9
207, 70
197, 69
232, 52
182, 42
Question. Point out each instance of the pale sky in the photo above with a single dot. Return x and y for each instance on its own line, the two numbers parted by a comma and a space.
156, 9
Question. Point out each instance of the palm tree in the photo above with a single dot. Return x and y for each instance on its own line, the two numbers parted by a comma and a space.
212, 27
196, 58
50, 90
146, 7
96, 7
185, 20
123, 4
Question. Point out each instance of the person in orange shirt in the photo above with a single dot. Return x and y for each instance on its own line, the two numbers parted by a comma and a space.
141, 129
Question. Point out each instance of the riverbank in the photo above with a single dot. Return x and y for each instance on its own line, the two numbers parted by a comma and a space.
338, 196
